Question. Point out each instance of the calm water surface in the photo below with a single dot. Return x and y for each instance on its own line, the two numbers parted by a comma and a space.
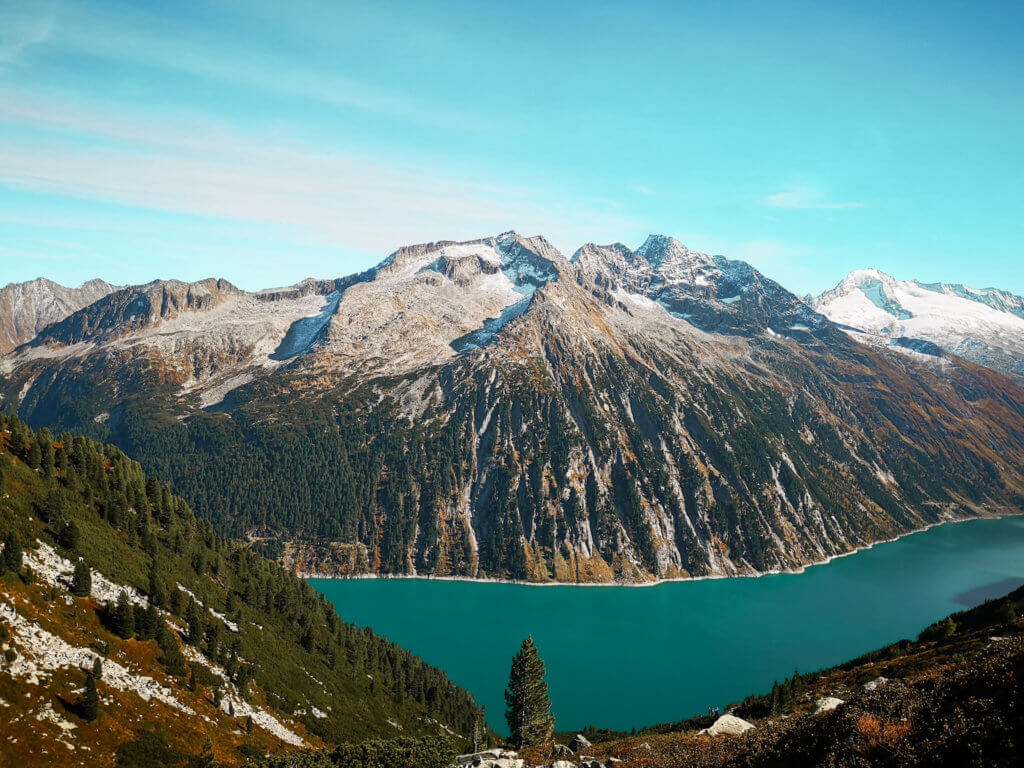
620, 657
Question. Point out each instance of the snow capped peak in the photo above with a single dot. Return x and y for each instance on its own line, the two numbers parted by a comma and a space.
984, 326
861, 276
870, 285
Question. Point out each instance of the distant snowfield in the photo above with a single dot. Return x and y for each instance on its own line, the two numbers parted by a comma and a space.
986, 326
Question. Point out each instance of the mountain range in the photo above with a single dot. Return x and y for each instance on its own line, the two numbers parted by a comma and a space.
494, 409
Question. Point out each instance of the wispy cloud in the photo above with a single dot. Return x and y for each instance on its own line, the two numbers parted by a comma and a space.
164, 42
19, 33
190, 164
643, 189
804, 197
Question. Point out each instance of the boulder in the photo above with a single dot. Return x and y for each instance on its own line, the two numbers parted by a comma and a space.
826, 704
728, 725
490, 758
878, 681
563, 764
561, 750
579, 741
472, 757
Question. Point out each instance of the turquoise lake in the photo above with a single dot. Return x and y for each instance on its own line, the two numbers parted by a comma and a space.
620, 657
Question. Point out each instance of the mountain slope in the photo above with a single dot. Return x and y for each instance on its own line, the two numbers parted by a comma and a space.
220, 643
27, 308
492, 408
985, 326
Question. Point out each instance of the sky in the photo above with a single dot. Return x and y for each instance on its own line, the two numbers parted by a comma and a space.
265, 142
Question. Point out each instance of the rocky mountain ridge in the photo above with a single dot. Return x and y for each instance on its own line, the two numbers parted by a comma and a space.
492, 408
27, 308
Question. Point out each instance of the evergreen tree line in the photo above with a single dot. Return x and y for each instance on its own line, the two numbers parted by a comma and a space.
80, 485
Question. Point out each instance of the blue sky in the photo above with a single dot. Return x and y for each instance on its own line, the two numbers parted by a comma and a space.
265, 142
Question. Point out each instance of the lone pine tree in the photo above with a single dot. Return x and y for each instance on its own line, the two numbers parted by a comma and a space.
529, 706
81, 580
89, 703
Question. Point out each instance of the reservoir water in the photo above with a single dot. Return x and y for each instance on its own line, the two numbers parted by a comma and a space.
620, 657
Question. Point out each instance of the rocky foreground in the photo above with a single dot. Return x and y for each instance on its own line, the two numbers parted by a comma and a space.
955, 698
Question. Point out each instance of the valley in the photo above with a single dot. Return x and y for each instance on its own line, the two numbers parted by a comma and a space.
511, 385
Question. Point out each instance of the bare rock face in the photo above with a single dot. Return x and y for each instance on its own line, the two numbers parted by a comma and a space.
27, 308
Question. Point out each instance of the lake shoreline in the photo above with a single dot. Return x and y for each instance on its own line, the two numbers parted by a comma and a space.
656, 582
670, 653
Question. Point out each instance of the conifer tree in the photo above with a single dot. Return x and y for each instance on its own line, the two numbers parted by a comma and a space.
157, 592
152, 621
529, 706
194, 620
12, 552
35, 456
81, 580
775, 703
53, 508
69, 536
89, 704
45, 442
97, 668
480, 729
124, 616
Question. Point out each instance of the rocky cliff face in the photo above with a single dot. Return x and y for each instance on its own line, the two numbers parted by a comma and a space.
27, 308
495, 409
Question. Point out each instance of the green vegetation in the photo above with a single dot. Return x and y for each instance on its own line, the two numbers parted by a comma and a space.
529, 707
393, 753
11, 560
289, 641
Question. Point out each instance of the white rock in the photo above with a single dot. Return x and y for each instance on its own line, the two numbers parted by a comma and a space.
579, 741
877, 682
826, 704
728, 725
